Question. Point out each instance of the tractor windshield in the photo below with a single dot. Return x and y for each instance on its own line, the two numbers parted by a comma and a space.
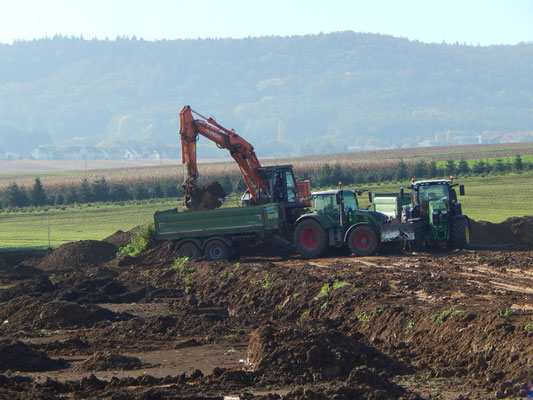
427, 193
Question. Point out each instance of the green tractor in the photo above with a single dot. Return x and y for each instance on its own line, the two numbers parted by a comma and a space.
435, 214
336, 220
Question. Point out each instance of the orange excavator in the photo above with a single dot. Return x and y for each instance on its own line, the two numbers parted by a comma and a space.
265, 184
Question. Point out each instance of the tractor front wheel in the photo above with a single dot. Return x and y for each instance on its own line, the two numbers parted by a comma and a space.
363, 241
459, 233
310, 238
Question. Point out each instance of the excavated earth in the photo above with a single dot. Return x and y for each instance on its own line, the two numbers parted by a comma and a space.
80, 323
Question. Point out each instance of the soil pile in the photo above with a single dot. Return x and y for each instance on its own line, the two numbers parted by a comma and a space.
27, 312
119, 239
513, 231
326, 354
209, 195
79, 254
298, 355
106, 361
17, 356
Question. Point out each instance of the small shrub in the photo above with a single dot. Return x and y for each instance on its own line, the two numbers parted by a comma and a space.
362, 317
180, 263
443, 316
507, 314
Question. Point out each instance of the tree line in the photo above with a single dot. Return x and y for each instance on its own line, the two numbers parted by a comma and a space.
100, 190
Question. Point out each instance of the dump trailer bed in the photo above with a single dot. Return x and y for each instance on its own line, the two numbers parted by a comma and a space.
218, 233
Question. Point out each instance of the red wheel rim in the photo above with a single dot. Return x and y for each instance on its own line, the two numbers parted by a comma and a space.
309, 238
363, 240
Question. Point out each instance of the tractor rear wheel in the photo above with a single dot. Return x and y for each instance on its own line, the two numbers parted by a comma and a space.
216, 250
459, 233
363, 240
310, 238
189, 250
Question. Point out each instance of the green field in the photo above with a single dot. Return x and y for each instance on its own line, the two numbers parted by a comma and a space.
491, 198
30, 229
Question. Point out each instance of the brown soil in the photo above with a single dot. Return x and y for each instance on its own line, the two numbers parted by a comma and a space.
18, 356
511, 232
435, 325
106, 361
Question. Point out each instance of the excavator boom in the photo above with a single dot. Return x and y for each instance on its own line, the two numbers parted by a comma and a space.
241, 151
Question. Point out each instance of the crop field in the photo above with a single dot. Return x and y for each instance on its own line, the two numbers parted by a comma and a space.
60, 175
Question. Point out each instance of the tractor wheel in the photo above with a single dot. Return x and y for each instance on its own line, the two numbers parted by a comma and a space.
216, 250
459, 233
189, 250
363, 241
310, 238
417, 244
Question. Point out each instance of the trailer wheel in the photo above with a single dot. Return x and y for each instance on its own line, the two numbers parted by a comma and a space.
363, 241
189, 250
310, 238
216, 250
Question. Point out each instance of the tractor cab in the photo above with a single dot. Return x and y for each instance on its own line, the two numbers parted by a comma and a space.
434, 204
436, 196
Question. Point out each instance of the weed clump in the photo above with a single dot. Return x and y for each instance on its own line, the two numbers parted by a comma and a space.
139, 242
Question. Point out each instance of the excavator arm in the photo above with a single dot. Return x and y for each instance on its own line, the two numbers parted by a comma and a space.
241, 151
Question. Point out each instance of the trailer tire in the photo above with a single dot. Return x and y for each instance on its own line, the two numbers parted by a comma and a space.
310, 238
189, 250
363, 241
459, 233
216, 250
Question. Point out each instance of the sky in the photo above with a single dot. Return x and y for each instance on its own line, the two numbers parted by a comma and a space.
483, 22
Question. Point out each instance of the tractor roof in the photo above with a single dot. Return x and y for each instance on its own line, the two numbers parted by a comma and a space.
331, 191
432, 182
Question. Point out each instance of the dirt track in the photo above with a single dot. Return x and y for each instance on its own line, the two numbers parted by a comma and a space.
79, 323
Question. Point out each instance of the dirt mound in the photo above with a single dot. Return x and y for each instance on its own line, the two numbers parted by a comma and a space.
17, 356
106, 361
27, 312
37, 287
312, 355
119, 239
101, 289
79, 254
513, 231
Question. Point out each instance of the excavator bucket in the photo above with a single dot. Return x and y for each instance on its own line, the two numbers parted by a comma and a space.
207, 198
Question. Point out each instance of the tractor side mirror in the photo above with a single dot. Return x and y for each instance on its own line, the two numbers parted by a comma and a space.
400, 193
339, 198
369, 196
461, 190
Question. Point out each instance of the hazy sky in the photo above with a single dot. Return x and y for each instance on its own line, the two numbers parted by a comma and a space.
472, 21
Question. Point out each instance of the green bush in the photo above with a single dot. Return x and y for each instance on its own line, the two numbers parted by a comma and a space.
140, 239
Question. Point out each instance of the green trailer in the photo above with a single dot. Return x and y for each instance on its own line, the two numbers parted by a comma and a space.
218, 233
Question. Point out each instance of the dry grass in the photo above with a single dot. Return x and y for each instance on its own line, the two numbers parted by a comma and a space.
131, 172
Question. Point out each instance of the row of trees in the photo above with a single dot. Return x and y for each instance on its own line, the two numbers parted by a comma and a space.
98, 191
101, 191
330, 176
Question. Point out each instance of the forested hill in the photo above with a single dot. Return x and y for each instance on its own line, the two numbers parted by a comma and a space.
286, 95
